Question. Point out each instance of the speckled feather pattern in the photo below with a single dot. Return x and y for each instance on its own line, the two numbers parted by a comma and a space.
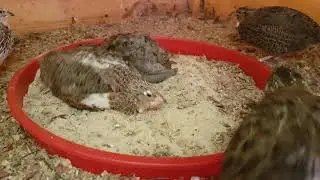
138, 47
71, 79
276, 29
279, 139
144, 55
68, 80
277, 15
6, 42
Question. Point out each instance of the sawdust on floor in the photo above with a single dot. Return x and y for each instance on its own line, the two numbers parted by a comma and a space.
204, 99
21, 158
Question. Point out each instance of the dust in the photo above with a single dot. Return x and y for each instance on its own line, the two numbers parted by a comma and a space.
204, 102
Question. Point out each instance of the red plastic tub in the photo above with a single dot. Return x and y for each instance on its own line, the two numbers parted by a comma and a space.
97, 161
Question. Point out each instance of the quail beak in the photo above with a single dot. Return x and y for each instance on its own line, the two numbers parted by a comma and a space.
10, 13
161, 98
238, 23
165, 100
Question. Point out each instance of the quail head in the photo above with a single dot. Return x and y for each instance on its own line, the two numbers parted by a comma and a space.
283, 76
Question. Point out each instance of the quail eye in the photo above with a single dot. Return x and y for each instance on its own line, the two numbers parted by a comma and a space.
147, 93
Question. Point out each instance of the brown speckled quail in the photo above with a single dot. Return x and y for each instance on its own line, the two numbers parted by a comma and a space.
7, 36
280, 138
277, 30
144, 54
94, 79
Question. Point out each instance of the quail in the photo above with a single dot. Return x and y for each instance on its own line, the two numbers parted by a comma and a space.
276, 30
280, 138
144, 55
7, 39
93, 78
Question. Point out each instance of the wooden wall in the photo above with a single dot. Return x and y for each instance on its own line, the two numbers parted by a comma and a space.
41, 15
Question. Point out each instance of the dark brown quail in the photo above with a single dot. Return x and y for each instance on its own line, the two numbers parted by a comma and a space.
277, 30
143, 54
280, 138
6, 35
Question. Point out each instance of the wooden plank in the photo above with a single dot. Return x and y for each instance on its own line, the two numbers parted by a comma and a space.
194, 6
41, 15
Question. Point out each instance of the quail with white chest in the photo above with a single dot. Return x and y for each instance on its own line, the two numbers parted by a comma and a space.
91, 78
6, 35
280, 138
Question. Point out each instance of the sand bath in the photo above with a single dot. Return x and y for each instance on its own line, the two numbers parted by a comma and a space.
204, 102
